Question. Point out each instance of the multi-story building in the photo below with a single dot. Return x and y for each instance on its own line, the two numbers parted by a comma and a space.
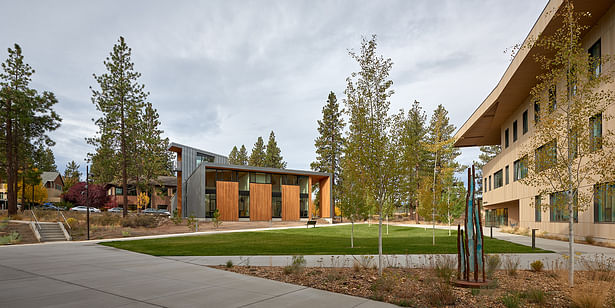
207, 182
161, 197
53, 183
506, 118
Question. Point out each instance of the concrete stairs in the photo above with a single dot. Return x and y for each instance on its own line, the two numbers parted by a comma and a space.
51, 232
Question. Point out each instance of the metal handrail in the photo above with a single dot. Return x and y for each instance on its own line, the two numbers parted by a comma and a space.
38, 225
65, 221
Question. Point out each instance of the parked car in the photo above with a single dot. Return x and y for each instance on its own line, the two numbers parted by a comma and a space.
152, 211
82, 208
116, 210
164, 212
49, 206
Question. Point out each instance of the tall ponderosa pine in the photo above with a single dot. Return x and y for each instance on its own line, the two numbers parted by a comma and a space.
273, 156
44, 160
233, 157
242, 156
487, 152
570, 146
369, 147
257, 158
409, 129
26, 117
120, 99
329, 144
72, 175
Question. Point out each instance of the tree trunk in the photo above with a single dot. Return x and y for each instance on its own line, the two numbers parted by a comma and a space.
152, 200
352, 233
380, 239
10, 159
124, 158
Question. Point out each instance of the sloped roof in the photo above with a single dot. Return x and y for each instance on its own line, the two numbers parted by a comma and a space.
50, 177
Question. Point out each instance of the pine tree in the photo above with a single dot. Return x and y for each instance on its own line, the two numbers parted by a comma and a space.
368, 144
486, 154
257, 158
273, 158
233, 157
242, 156
26, 118
329, 144
72, 175
120, 99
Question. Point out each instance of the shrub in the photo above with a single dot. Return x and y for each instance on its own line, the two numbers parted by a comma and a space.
587, 298
599, 267
192, 223
384, 283
106, 219
216, 219
511, 264
493, 263
444, 267
406, 302
537, 266
140, 221
439, 293
11, 238
72, 222
511, 300
176, 219
125, 233
297, 265
474, 291
536, 296
229, 264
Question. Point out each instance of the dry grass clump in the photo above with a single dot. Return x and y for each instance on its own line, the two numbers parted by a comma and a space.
444, 267
439, 292
493, 262
511, 265
588, 298
599, 267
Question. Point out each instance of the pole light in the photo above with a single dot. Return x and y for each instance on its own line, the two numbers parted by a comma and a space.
87, 197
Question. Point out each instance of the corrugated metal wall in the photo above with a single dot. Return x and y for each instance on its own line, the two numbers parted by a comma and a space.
195, 196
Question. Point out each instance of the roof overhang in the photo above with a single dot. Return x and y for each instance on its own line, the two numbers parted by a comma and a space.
483, 126
312, 174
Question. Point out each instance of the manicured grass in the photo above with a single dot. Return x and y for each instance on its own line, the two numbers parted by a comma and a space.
312, 241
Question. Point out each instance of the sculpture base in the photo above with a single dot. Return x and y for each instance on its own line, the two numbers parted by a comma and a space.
471, 284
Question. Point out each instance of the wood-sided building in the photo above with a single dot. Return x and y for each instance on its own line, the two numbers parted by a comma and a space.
246, 193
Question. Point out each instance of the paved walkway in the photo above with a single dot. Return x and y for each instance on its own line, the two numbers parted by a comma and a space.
85, 274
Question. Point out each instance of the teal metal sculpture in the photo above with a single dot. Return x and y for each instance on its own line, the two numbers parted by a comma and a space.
470, 252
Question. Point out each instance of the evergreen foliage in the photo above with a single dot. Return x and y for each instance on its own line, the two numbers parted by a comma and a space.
257, 158
273, 157
242, 156
72, 175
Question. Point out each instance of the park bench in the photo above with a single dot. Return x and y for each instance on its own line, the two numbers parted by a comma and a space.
310, 222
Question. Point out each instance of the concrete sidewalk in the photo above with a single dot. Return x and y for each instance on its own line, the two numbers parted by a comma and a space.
81, 274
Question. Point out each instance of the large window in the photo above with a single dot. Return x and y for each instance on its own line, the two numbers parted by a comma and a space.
489, 183
520, 168
244, 194
537, 209
595, 132
559, 207
226, 175
536, 112
507, 175
506, 141
210, 179
119, 191
290, 180
546, 156
200, 157
515, 131
276, 183
260, 178
210, 202
496, 217
604, 200
498, 180
304, 197
595, 64
244, 181
276, 204
525, 124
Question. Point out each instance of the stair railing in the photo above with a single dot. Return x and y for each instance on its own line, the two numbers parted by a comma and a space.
38, 225
65, 221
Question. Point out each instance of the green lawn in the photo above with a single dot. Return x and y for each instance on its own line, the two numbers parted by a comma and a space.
312, 241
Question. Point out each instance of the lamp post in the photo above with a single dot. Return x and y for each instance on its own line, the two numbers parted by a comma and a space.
87, 197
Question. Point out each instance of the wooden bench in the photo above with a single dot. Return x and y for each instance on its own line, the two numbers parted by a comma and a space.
310, 222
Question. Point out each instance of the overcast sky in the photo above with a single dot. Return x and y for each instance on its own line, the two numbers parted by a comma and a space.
222, 73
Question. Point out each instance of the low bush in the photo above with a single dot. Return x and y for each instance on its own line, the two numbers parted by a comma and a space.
511, 300
590, 240
192, 223
536, 296
106, 219
511, 265
72, 222
587, 299
297, 265
493, 263
537, 266
439, 293
11, 238
140, 221
599, 267
384, 283
229, 264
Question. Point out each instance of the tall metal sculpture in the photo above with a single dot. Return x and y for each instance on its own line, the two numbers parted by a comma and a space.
470, 253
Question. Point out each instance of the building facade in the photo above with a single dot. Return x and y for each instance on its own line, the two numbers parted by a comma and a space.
507, 117
54, 184
165, 189
244, 193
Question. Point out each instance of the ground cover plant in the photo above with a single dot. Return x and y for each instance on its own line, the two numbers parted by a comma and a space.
312, 241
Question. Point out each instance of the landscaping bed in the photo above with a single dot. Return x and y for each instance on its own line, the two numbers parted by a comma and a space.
428, 288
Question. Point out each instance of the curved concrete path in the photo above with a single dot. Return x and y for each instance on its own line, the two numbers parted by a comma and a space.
85, 274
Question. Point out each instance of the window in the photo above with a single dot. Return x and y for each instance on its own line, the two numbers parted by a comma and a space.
552, 99
536, 112
514, 130
520, 168
260, 178
595, 132
276, 183
507, 175
244, 194
573, 144
496, 217
244, 181
559, 207
200, 157
604, 200
276, 205
304, 206
226, 175
525, 122
506, 141
118, 191
546, 156
489, 183
595, 65
537, 209
290, 180
484, 185
303, 184
210, 202
498, 180
210, 179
